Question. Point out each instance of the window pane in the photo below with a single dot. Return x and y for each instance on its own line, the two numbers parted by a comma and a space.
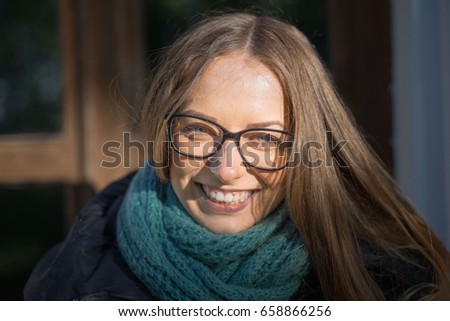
30, 75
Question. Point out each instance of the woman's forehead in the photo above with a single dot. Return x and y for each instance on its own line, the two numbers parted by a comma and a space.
238, 90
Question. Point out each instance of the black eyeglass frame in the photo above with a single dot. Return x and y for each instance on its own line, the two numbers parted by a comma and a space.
236, 137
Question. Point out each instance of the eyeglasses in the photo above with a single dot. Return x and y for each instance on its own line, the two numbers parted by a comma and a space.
262, 148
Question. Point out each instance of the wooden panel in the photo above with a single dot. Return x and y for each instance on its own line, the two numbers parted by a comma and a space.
26, 159
111, 45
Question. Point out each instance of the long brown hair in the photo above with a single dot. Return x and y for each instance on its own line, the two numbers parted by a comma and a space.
342, 205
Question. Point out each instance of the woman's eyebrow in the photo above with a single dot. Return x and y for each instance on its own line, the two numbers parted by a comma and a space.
265, 124
199, 114
251, 125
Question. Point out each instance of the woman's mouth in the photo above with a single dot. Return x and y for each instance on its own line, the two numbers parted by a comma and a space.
221, 201
226, 197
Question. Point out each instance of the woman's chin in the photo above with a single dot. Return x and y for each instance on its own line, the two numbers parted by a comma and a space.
222, 225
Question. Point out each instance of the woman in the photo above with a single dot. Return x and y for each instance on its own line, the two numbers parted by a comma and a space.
248, 196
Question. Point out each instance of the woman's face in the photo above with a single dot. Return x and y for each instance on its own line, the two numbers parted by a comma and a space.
237, 92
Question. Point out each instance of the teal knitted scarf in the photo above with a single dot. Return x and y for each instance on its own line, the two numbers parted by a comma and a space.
177, 259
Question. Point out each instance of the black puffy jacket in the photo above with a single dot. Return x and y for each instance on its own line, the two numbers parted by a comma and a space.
89, 266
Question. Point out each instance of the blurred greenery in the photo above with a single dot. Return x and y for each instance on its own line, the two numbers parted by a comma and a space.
30, 80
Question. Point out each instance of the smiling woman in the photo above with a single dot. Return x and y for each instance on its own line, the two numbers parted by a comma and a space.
229, 213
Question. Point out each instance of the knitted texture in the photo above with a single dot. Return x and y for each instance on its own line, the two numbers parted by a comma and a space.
177, 259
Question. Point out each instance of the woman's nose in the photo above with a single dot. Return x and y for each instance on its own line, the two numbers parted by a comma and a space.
227, 164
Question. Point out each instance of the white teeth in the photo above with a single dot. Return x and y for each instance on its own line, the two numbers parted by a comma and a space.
226, 197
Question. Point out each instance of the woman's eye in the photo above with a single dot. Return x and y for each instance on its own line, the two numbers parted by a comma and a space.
193, 129
267, 138
197, 132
